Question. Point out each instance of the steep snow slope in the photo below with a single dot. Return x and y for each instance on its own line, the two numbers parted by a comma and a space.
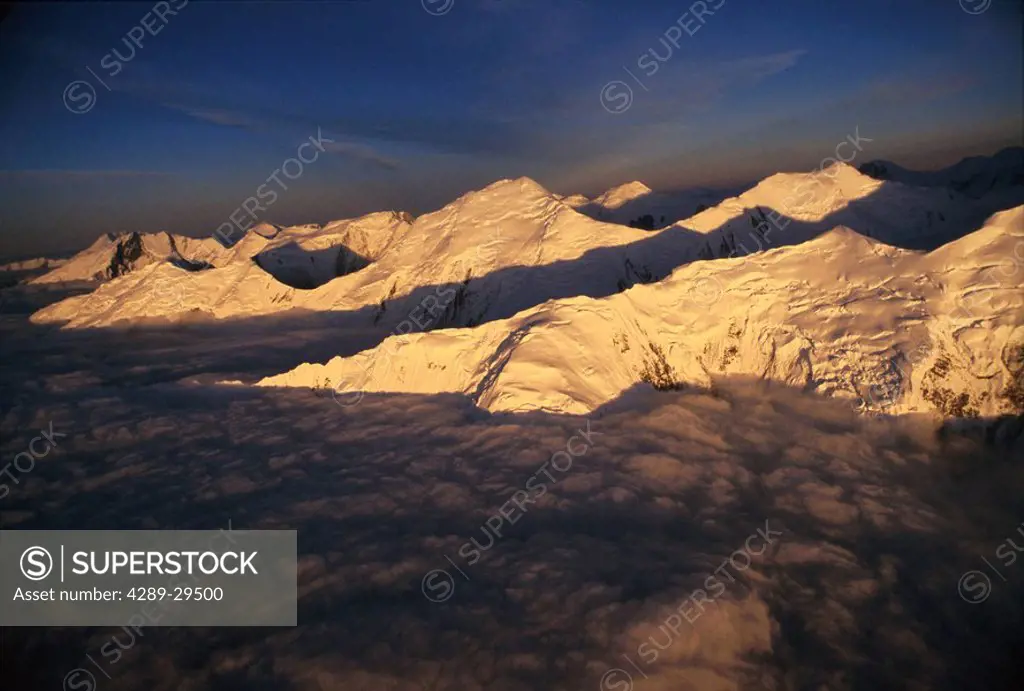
843, 315
977, 176
513, 245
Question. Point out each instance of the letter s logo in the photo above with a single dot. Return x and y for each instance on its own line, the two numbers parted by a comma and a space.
446, 586
39, 563
79, 680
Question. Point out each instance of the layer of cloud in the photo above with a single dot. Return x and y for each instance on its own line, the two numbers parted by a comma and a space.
876, 521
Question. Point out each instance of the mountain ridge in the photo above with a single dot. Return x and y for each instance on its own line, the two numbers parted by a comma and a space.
489, 248
875, 324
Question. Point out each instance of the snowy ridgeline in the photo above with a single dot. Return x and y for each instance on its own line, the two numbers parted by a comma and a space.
890, 329
816, 280
519, 245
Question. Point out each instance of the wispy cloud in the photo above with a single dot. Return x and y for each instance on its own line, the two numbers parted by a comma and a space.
688, 85
269, 121
757, 67
361, 152
215, 116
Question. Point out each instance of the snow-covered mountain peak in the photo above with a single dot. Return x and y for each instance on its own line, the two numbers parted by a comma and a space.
507, 222
623, 194
478, 218
509, 187
113, 255
575, 200
265, 229
794, 207
810, 196
372, 224
843, 237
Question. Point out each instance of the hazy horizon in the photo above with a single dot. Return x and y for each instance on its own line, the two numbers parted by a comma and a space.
168, 128
944, 161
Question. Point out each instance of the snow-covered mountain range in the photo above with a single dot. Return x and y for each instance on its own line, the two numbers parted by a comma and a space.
302, 256
508, 247
259, 274
843, 315
897, 296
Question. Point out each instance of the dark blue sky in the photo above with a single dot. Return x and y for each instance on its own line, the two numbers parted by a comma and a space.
422, 107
